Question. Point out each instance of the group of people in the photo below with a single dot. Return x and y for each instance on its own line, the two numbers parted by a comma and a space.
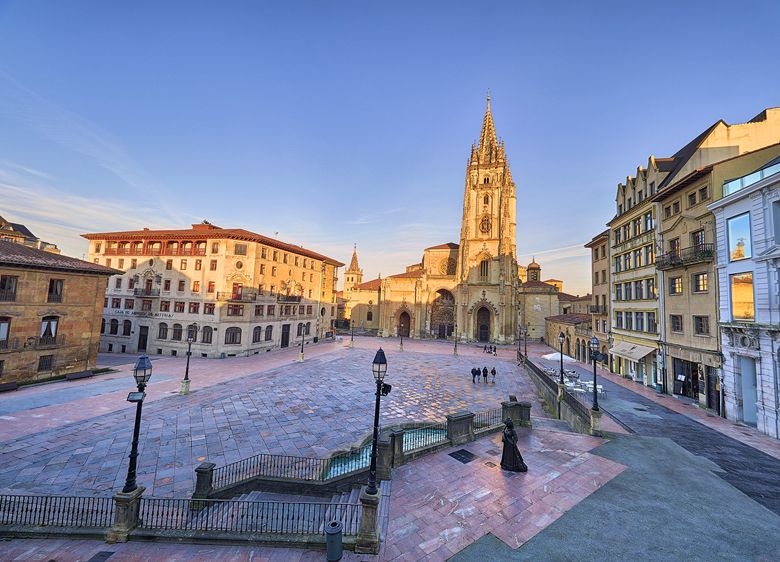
489, 349
476, 372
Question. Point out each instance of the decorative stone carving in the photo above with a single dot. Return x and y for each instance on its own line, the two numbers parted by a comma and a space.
746, 338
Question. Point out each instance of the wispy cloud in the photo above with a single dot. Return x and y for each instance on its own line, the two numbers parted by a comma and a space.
372, 218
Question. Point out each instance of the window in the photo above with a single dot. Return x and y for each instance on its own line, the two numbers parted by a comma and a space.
699, 283
651, 327
177, 331
692, 199
369, 316
269, 333
213, 265
637, 258
637, 226
627, 291
620, 208
273, 271
300, 329
116, 303
627, 261
261, 289
704, 193
215, 247
180, 286
264, 252
45, 363
701, 325
131, 283
233, 336
301, 309
603, 251
257, 334
102, 327
697, 238
616, 236
259, 309
648, 221
742, 300
674, 247
618, 292
96, 260
178, 306
194, 307
775, 220
667, 211
618, 320
208, 308
133, 263
167, 285
169, 264
275, 256
675, 286
639, 321
675, 322
198, 265
5, 329
307, 328
129, 304
108, 262
146, 304
484, 269
649, 256
676, 207
270, 310
211, 287
162, 331
183, 265
127, 327
738, 229
603, 276
650, 288
192, 332
235, 310
196, 286
309, 310
206, 334
113, 327
165, 306
262, 269
239, 249
118, 283
629, 320
638, 290
618, 264
121, 263
55, 290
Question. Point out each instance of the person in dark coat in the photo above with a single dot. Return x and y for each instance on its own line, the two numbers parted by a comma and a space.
511, 459
493, 374
484, 349
474, 372
485, 374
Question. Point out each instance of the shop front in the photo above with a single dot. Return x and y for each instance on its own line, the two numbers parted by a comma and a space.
634, 361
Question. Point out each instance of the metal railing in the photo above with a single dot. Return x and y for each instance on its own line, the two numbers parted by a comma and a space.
686, 256
57, 511
10, 344
246, 295
296, 518
41, 342
149, 251
143, 292
8, 295
488, 419
289, 298
597, 309
424, 436
54, 297
544, 377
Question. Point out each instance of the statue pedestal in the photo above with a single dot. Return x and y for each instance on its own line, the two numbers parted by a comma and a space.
185, 387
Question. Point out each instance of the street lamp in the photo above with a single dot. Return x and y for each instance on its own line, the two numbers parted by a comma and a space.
303, 339
352, 332
594, 348
561, 339
525, 342
455, 349
379, 369
192, 333
142, 372
401, 333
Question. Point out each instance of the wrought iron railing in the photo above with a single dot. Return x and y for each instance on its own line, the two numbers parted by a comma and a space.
246, 295
597, 309
8, 295
54, 297
288, 518
9, 344
143, 292
488, 419
289, 298
48, 341
686, 256
57, 511
424, 436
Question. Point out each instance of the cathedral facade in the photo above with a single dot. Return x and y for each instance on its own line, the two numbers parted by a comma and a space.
466, 291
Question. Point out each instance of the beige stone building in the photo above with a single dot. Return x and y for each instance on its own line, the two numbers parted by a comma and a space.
536, 300
20, 234
241, 293
50, 312
686, 232
599, 306
575, 344
465, 290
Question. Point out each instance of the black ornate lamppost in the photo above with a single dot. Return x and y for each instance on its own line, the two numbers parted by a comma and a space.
303, 339
455, 349
561, 339
142, 372
525, 341
192, 334
594, 353
379, 369
352, 333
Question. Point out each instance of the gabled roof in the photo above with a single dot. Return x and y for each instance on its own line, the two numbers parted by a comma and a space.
447, 246
372, 285
409, 274
569, 318
20, 228
19, 255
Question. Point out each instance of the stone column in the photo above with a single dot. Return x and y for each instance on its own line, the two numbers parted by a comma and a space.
460, 427
514, 410
384, 458
126, 515
525, 413
397, 442
368, 536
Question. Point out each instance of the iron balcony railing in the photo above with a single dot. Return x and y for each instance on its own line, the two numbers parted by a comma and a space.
8, 295
54, 297
583, 330
598, 309
686, 256
42, 342
289, 298
154, 252
57, 511
245, 295
9, 344
143, 292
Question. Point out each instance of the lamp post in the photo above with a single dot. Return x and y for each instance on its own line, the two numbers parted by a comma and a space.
192, 332
561, 339
594, 348
525, 342
142, 372
303, 339
379, 369
401, 333
352, 332
662, 361
455, 349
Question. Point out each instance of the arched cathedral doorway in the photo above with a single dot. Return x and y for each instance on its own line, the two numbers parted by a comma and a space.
443, 314
483, 324
403, 324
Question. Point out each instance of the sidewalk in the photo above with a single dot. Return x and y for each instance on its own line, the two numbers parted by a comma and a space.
744, 434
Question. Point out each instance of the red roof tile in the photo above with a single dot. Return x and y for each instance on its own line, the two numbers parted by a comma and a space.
372, 285
18, 255
447, 246
569, 318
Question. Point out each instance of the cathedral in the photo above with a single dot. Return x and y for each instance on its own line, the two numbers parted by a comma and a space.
466, 291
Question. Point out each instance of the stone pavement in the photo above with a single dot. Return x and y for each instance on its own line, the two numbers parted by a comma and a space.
238, 407
747, 468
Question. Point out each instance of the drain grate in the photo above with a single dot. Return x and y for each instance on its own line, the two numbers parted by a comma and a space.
493, 452
463, 456
101, 556
490, 464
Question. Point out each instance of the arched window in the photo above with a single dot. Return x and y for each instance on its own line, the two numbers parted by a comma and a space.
192, 332
233, 336
176, 332
486, 200
127, 327
484, 269
308, 328
257, 334
113, 327
486, 180
102, 325
269, 333
206, 334
300, 329
162, 331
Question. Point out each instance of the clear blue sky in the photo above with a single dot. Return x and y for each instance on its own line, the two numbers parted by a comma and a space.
332, 122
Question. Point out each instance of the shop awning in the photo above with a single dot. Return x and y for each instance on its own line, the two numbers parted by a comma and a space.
631, 351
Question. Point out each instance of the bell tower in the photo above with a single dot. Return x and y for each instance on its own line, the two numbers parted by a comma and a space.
353, 276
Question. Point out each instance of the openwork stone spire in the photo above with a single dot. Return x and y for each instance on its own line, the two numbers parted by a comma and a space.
488, 143
353, 264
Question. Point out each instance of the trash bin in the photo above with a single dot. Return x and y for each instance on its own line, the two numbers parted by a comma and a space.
333, 541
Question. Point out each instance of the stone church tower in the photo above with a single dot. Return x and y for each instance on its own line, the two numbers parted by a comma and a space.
353, 276
487, 262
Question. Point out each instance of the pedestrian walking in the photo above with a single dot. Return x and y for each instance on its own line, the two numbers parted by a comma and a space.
493, 374
494, 350
484, 349
474, 372
485, 374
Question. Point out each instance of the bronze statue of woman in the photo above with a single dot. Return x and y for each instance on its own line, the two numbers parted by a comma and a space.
511, 459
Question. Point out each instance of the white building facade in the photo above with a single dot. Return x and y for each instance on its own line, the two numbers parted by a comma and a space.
748, 247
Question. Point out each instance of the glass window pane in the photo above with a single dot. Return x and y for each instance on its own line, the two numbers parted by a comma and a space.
742, 305
739, 237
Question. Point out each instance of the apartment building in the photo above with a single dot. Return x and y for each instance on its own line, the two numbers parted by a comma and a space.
599, 306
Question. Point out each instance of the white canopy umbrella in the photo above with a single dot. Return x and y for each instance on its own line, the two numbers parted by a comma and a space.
557, 357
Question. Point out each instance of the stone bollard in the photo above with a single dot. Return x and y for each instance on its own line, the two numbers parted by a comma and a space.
513, 410
368, 536
397, 443
204, 477
595, 422
126, 515
525, 414
384, 458
460, 428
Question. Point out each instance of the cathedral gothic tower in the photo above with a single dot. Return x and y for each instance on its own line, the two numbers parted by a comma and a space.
487, 262
353, 276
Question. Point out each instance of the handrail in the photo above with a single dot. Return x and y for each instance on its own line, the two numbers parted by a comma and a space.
693, 254
487, 419
57, 511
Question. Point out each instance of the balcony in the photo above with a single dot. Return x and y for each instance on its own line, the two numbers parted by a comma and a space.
54, 297
142, 292
8, 295
686, 256
289, 298
583, 329
245, 295
597, 309
9, 344
43, 342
